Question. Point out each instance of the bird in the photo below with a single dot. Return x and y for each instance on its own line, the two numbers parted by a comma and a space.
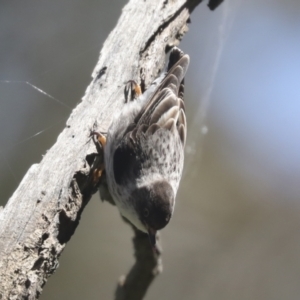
144, 148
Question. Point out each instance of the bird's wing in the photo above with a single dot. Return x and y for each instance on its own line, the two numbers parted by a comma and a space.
166, 108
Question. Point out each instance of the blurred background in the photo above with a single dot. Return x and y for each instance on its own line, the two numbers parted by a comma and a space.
236, 229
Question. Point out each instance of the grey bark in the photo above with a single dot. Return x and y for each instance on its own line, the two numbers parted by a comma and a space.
44, 211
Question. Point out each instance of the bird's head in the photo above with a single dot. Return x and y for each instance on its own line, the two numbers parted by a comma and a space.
154, 205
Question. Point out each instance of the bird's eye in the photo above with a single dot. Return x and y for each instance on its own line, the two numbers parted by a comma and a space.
146, 212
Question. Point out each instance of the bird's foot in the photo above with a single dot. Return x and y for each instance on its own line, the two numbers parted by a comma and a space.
100, 138
132, 90
100, 142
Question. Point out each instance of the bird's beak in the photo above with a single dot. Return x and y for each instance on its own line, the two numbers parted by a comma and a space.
152, 236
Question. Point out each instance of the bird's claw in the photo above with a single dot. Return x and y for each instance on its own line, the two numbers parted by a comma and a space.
100, 143
132, 90
101, 138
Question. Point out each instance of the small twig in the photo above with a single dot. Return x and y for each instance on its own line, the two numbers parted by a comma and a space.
147, 266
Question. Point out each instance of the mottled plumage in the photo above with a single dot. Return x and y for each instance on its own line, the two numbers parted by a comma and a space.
144, 152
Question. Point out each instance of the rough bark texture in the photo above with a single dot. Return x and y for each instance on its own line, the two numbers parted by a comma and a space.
43, 213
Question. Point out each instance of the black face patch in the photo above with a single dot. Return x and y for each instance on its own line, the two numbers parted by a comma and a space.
123, 160
127, 163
